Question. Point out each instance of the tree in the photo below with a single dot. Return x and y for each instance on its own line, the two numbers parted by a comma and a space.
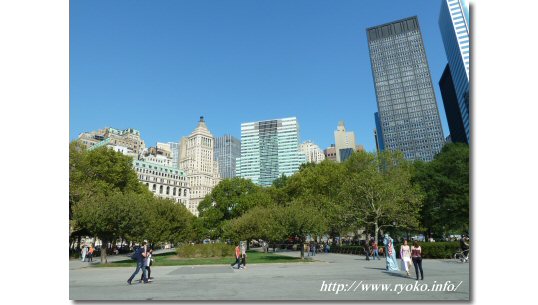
297, 220
168, 222
102, 185
319, 185
445, 182
112, 216
230, 199
257, 223
380, 192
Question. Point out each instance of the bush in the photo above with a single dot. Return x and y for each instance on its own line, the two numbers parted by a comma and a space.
206, 250
438, 250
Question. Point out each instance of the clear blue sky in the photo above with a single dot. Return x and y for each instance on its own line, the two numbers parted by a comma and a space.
158, 65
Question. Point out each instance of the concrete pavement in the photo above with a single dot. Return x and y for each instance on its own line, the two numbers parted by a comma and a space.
331, 277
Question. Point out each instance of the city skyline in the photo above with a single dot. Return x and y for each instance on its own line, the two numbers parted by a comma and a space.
299, 66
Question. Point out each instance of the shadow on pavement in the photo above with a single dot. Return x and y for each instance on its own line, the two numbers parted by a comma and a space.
383, 269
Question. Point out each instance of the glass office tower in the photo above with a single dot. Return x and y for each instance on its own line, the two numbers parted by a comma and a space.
380, 143
454, 26
269, 149
227, 150
405, 98
452, 109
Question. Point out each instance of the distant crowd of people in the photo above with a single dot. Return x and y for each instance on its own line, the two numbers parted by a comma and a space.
87, 253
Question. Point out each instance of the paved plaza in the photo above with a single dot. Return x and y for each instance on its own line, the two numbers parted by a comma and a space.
331, 277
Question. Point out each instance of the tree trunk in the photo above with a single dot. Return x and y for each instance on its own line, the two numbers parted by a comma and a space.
302, 248
376, 232
104, 244
78, 243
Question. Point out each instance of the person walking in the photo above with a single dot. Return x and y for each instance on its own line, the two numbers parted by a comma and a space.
405, 255
313, 249
90, 252
244, 256
376, 251
416, 256
237, 257
83, 253
367, 249
327, 248
140, 254
147, 265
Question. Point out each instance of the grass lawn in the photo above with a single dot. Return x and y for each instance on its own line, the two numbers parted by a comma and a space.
171, 259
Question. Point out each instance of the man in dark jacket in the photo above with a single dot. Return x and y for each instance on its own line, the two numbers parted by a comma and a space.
140, 255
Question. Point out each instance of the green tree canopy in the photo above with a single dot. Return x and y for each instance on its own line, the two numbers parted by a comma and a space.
230, 199
379, 191
445, 182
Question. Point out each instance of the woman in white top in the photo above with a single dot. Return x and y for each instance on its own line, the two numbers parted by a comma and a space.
147, 264
405, 255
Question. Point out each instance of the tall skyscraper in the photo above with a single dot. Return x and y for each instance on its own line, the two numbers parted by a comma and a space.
227, 150
312, 152
405, 98
174, 147
452, 109
196, 158
269, 149
344, 140
454, 26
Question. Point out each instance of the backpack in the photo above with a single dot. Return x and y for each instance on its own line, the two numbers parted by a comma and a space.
137, 254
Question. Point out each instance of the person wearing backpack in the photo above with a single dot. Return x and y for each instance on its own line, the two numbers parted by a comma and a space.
139, 255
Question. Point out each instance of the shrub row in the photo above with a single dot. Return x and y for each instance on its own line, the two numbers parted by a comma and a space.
437, 250
206, 250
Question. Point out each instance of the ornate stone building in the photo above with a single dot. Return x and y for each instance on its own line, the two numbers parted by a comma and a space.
197, 159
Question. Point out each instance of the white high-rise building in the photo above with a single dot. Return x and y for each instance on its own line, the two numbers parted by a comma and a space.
196, 158
269, 149
344, 142
312, 152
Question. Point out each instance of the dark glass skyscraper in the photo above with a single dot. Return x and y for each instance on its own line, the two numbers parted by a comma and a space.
452, 109
454, 26
406, 102
227, 150
380, 144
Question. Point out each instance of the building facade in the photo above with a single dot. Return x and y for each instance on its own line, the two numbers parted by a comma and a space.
156, 172
330, 153
454, 26
378, 133
312, 152
227, 150
129, 138
174, 147
269, 149
197, 159
452, 109
407, 107
344, 140
163, 181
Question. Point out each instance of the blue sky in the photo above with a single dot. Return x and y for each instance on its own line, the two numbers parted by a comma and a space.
157, 66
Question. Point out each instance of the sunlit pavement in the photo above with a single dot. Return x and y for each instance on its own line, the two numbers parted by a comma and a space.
331, 277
